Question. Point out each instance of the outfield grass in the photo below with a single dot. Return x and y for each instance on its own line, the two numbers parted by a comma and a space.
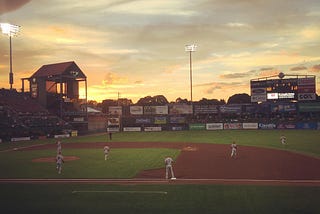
301, 141
175, 199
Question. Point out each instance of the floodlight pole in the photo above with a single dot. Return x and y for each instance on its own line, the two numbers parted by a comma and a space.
10, 30
190, 49
11, 73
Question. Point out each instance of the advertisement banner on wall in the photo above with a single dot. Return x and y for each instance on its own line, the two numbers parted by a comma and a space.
177, 128
307, 96
115, 110
160, 120
214, 126
181, 109
136, 110
115, 121
286, 126
153, 110
113, 129
250, 125
177, 120
205, 109
149, 110
132, 129
197, 126
306, 125
152, 129
232, 126
143, 120
162, 110
267, 126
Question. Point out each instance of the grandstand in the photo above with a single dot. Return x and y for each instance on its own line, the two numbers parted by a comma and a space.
23, 118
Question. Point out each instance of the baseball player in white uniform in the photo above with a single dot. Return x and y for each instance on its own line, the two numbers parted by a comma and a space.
106, 150
283, 140
59, 162
59, 147
233, 149
168, 163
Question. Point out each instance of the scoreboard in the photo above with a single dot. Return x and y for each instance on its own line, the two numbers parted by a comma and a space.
300, 88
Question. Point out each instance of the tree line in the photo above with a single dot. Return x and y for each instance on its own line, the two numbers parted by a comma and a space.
162, 100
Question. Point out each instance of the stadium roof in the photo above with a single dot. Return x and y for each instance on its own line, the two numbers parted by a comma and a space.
65, 69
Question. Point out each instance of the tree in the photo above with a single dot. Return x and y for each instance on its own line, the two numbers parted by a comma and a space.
182, 101
205, 101
239, 99
156, 100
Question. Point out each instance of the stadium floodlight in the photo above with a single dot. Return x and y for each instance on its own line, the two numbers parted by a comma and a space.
10, 30
190, 49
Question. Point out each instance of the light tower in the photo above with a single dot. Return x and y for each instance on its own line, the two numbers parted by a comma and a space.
10, 30
190, 49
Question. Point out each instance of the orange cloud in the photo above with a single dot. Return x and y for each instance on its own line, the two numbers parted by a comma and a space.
112, 78
315, 68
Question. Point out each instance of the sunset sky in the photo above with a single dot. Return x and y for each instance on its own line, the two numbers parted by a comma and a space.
137, 47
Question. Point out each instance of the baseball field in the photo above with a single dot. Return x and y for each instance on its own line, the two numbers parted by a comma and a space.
264, 177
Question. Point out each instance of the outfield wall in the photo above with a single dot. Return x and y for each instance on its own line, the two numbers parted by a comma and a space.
227, 126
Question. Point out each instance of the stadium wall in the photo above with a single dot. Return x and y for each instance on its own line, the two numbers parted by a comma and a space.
226, 126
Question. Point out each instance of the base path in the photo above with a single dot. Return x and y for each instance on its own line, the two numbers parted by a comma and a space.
211, 163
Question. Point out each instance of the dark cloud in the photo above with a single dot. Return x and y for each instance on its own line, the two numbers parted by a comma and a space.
11, 5
238, 75
212, 87
117, 3
266, 69
138, 82
298, 68
233, 75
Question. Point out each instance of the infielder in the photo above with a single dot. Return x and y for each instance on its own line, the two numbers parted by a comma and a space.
59, 147
233, 149
283, 139
59, 161
106, 150
168, 163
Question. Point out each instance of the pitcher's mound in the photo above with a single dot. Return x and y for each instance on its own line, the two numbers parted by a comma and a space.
190, 149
